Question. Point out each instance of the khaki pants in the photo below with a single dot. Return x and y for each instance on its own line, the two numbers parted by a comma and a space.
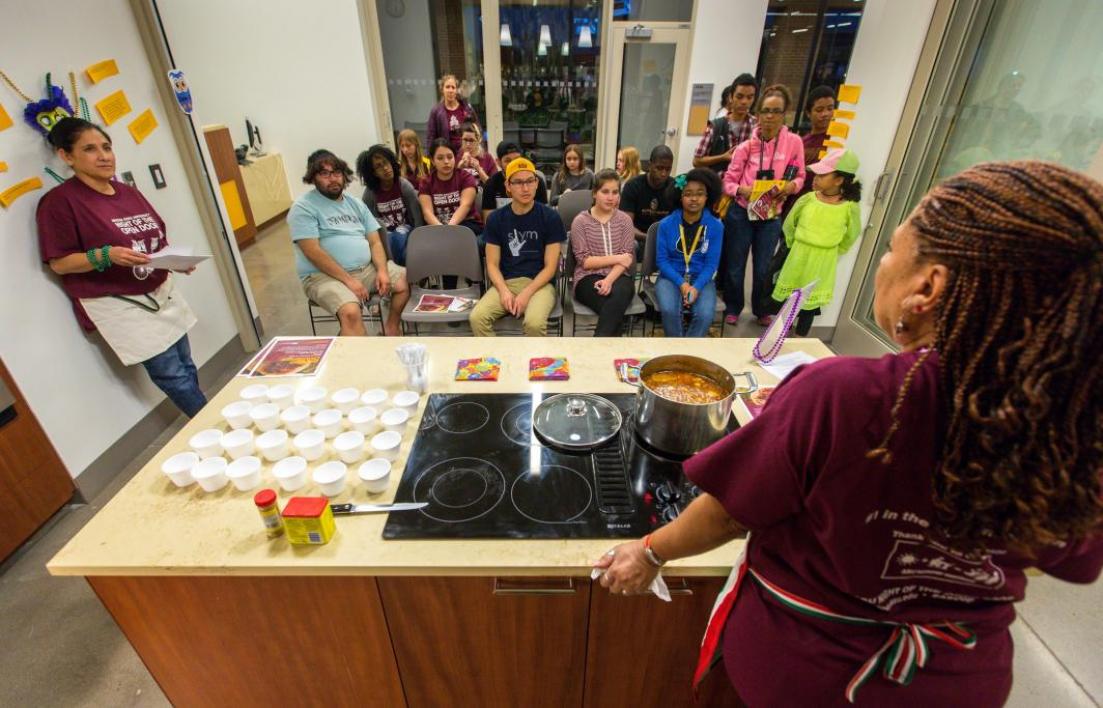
489, 309
330, 294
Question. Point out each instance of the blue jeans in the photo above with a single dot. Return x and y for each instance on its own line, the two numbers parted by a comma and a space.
742, 237
670, 307
174, 373
397, 241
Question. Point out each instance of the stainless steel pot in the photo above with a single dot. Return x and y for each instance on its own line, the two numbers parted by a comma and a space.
685, 428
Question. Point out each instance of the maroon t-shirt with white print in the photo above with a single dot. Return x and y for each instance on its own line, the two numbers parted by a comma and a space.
72, 218
446, 194
853, 534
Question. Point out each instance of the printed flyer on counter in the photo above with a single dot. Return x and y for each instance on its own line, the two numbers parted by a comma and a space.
289, 356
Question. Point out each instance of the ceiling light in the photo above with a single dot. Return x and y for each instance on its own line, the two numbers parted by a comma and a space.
545, 35
505, 38
585, 38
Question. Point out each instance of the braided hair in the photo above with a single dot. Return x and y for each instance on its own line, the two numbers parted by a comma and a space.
1019, 335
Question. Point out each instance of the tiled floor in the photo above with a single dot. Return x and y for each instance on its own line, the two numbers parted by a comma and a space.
59, 647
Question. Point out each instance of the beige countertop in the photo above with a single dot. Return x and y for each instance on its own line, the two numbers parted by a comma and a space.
154, 528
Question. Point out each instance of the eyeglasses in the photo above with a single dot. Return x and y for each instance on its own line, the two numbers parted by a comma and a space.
330, 173
771, 111
469, 140
522, 182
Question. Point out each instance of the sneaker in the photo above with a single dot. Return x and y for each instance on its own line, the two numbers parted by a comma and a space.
765, 320
731, 319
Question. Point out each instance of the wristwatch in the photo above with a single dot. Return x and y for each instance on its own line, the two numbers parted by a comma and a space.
652, 557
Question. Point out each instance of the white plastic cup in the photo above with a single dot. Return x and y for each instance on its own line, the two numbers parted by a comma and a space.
210, 473
266, 416
290, 473
255, 393
244, 472
178, 468
407, 400
238, 443
349, 446
282, 395
330, 477
236, 414
329, 421
386, 444
374, 397
376, 475
313, 397
295, 419
364, 419
311, 444
345, 399
273, 445
206, 443
395, 419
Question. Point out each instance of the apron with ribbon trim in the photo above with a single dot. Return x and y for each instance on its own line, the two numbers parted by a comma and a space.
903, 652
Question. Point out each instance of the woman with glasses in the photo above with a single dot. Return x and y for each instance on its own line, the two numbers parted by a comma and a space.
472, 158
772, 154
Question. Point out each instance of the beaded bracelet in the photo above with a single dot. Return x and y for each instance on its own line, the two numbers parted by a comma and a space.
103, 261
104, 255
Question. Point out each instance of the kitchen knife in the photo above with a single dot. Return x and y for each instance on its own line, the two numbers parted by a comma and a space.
346, 509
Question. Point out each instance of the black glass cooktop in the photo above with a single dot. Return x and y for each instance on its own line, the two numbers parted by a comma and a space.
485, 475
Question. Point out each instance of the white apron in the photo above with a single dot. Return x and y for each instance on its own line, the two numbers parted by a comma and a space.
141, 326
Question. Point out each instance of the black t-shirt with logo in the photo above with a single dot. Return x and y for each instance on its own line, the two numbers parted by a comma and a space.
647, 204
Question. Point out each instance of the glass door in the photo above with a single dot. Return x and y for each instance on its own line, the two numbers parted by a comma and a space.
649, 65
992, 95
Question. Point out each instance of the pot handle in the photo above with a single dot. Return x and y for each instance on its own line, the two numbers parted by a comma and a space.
752, 382
625, 379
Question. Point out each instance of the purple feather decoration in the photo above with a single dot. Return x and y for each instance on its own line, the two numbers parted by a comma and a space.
56, 100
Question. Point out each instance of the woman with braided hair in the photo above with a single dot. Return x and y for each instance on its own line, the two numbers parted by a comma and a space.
894, 504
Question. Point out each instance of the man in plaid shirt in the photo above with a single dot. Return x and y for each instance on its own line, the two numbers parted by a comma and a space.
723, 134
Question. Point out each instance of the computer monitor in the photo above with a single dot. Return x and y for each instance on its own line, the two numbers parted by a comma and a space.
255, 141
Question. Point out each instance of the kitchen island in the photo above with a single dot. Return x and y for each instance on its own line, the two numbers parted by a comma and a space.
220, 614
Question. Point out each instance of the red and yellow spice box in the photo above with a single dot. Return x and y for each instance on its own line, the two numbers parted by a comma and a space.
308, 521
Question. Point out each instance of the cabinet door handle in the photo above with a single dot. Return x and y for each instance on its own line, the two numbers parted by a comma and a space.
546, 586
678, 586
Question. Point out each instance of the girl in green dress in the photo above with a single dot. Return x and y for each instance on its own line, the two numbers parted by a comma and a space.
821, 226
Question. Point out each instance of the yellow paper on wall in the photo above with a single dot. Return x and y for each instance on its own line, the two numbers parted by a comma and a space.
849, 93
845, 114
839, 130
113, 107
142, 126
101, 70
232, 200
5, 119
16, 191
3, 167
833, 144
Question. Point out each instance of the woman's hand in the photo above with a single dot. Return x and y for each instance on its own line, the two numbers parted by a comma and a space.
122, 256
627, 570
789, 188
744, 191
603, 286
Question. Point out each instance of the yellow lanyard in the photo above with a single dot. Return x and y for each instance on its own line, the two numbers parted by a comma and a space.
688, 254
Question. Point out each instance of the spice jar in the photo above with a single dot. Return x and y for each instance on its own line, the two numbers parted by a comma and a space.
265, 500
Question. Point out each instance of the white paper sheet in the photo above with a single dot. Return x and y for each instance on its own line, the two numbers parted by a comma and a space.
784, 364
175, 258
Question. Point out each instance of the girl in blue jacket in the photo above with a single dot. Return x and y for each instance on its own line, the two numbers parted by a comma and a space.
687, 252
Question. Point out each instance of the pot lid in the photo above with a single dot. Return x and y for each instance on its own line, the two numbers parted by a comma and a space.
576, 421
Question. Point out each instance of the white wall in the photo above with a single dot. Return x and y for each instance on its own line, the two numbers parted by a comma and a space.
83, 397
408, 60
296, 69
726, 38
890, 39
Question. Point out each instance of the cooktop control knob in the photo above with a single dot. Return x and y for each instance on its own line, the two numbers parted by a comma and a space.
667, 494
669, 514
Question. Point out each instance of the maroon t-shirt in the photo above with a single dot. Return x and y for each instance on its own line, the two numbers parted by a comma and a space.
72, 218
857, 536
446, 194
392, 209
489, 165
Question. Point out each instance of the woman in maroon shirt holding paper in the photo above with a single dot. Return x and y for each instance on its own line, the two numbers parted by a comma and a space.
894, 504
96, 233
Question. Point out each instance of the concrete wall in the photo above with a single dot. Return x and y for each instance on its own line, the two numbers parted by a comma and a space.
83, 397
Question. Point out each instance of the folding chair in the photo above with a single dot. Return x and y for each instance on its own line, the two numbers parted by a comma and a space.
371, 311
572, 204
435, 251
635, 308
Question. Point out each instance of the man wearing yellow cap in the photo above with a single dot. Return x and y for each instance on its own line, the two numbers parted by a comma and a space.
522, 255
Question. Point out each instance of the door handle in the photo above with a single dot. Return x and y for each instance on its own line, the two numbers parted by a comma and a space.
534, 586
668, 132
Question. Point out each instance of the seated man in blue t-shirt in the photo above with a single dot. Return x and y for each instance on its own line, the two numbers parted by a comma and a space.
339, 250
522, 257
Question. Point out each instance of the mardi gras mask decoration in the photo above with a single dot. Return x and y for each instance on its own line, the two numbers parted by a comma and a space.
43, 115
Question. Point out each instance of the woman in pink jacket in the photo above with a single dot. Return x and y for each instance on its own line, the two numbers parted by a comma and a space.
772, 153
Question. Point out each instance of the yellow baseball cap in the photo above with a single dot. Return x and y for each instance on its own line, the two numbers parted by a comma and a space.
518, 165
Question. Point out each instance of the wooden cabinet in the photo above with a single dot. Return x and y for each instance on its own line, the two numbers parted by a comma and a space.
230, 184
642, 651
489, 641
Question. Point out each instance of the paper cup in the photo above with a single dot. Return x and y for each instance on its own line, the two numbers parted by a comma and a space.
273, 445
313, 397
236, 414
345, 399
244, 472
329, 421
206, 443
295, 419
178, 468
290, 473
282, 395
395, 419
376, 475
330, 477
386, 444
266, 416
349, 446
311, 444
210, 473
364, 419
255, 393
406, 400
374, 397
238, 443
